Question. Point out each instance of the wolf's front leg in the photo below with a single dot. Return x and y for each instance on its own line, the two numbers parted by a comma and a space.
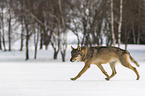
81, 72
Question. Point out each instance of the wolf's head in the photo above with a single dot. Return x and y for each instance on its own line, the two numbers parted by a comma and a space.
76, 54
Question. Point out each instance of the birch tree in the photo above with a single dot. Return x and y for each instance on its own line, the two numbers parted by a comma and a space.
112, 24
64, 42
36, 38
2, 26
120, 23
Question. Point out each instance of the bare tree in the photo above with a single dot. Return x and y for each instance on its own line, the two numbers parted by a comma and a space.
27, 37
36, 31
139, 22
3, 30
64, 41
112, 24
120, 23
22, 35
0, 32
55, 42
9, 29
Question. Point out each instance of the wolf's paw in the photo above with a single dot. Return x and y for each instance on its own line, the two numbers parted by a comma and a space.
73, 79
137, 78
107, 79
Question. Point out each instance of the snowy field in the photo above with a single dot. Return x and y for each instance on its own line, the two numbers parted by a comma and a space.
48, 77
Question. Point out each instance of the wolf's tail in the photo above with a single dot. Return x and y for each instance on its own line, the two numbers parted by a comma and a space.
134, 61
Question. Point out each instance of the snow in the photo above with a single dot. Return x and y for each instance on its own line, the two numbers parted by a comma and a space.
48, 77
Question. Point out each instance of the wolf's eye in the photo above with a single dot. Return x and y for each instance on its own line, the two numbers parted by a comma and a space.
76, 54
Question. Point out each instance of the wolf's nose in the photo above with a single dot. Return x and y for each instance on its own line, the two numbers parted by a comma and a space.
71, 59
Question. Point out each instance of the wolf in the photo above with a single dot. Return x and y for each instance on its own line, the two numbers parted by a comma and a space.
101, 55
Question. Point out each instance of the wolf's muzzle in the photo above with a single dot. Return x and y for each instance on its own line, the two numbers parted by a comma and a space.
71, 60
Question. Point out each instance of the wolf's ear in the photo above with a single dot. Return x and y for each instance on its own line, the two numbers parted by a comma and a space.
72, 48
79, 48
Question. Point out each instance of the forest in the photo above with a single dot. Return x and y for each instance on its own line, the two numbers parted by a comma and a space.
49, 21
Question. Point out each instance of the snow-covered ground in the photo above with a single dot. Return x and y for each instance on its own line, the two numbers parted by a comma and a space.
48, 77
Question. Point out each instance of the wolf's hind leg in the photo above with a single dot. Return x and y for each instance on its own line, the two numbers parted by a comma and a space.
125, 62
112, 65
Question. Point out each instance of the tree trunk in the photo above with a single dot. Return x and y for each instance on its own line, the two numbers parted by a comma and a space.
9, 32
27, 41
138, 35
46, 47
139, 16
134, 36
3, 31
0, 39
36, 39
120, 23
27, 48
84, 33
22, 35
126, 38
55, 54
64, 47
63, 56
112, 24
78, 40
41, 44
35, 55
56, 49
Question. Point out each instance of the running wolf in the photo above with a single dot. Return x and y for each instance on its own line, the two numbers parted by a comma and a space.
100, 55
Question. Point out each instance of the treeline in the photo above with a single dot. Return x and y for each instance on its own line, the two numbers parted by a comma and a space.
49, 21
